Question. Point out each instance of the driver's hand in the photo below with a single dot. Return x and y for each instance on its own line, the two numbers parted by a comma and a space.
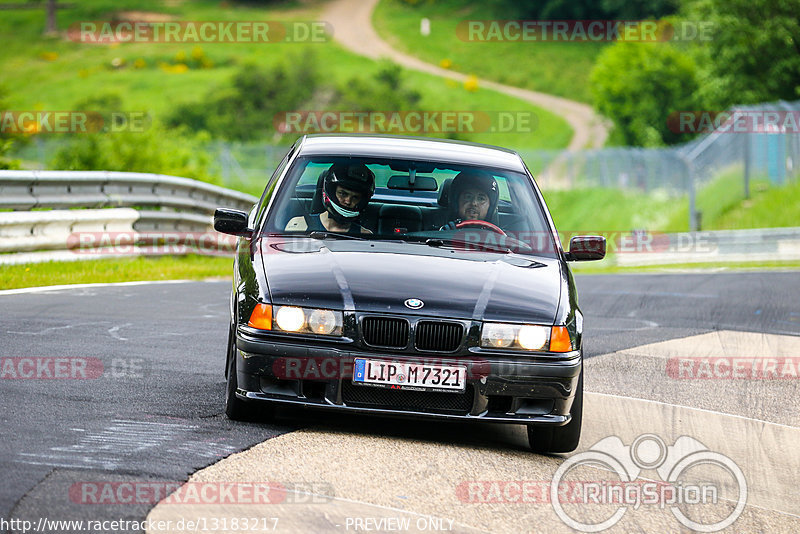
451, 225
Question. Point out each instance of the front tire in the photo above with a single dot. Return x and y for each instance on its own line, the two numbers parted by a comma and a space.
552, 439
235, 408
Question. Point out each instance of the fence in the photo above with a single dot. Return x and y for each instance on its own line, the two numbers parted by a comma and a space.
162, 204
773, 155
753, 151
239, 166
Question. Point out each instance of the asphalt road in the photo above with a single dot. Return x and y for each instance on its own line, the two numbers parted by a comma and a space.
154, 413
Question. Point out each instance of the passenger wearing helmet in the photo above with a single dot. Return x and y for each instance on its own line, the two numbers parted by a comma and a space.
346, 191
473, 196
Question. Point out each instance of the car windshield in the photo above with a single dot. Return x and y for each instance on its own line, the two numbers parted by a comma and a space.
418, 202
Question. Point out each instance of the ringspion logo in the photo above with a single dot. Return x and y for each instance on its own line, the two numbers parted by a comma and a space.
688, 496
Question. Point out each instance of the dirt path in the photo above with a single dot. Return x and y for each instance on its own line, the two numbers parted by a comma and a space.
352, 27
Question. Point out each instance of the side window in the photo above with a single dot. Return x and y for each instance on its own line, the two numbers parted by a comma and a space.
262, 204
502, 185
311, 174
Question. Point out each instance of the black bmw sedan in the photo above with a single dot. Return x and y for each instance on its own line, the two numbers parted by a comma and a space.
407, 277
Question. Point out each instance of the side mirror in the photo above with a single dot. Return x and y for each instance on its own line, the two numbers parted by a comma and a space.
233, 222
586, 248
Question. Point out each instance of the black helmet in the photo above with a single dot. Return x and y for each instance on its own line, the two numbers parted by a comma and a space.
353, 177
479, 180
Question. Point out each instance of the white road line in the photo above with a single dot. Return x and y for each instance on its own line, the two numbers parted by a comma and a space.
114, 331
25, 290
712, 412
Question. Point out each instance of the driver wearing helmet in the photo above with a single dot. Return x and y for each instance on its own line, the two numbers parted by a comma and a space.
346, 191
473, 197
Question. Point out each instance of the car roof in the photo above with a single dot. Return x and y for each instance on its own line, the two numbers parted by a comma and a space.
413, 148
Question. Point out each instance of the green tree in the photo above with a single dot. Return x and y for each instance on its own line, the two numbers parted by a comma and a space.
639, 9
246, 109
638, 85
6, 140
156, 150
385, 91
752, 53
582, 9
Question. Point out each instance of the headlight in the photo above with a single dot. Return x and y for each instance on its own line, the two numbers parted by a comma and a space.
532, 337
303, 320
525, 337
290, 318
323, 321
497, 335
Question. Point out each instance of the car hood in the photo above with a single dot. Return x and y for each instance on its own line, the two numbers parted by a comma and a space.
369, 278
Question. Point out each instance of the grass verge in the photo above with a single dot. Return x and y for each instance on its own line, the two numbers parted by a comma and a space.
193, 267
721, 202
559, 68
64, 72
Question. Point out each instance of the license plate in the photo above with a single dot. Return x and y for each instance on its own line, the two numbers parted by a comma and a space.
408, 375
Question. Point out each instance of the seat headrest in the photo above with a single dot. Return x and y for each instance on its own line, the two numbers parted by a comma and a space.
317, 206
444, 193
400, 212
392, 216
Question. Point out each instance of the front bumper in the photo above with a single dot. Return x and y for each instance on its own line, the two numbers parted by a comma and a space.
501, 387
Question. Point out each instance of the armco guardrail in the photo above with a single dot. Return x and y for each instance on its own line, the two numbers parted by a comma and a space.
44, 220
26, 231
719, 246
25, 190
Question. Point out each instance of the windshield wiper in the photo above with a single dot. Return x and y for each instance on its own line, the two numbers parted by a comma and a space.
494, 247
334, 235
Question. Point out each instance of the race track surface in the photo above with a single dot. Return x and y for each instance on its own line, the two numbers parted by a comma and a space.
151, 409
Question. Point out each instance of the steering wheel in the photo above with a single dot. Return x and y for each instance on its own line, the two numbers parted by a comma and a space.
482, 224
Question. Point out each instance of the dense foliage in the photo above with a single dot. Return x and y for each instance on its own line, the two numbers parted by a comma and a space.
245, 109
6, 142
639, 84
753, 54
150, 148
749, 53
248, 108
